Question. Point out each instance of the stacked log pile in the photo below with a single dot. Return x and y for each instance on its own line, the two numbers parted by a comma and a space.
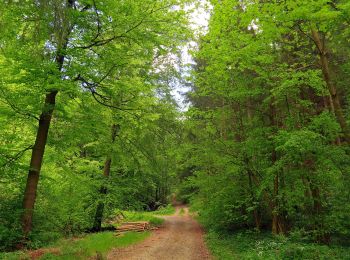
139, 226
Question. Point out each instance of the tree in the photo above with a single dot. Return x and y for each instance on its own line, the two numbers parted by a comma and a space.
267, 112
74, 47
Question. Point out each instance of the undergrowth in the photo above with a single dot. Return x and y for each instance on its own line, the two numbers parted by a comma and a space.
99, 243
95, 244
91, 245
167, 210
143, 216
251, 245
150, 216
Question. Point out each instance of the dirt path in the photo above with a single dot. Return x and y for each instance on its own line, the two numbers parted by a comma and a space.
181, 238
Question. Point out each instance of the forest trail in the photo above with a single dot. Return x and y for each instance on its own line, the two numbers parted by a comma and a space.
180, 238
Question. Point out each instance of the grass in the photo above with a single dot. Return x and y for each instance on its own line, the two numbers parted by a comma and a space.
99, 243
150, 216
251, 245
95, 244
167, 210
143, 216
182, 212
88, 246
13, 255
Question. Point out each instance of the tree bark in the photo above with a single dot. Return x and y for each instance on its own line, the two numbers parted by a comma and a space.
103, 190
256, 213
99, 212
335, 102
36, 162
277, 219
277, 226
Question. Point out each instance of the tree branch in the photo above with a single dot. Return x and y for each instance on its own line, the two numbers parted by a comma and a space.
102, 42
16, 109
17, 155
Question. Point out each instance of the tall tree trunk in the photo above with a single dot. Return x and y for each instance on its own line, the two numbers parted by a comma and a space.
277, 222
36, 162
41, 140
103, 190
335, 102
277, 219
256, 213
317, 208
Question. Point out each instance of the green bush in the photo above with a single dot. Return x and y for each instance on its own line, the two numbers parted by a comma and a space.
10, 227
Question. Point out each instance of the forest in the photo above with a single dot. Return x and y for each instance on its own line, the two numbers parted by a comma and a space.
257, 146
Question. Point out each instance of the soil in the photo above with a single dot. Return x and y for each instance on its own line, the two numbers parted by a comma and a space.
180, 238
36, 254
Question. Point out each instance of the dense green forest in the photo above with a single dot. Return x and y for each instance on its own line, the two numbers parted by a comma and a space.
90, 125
84, 81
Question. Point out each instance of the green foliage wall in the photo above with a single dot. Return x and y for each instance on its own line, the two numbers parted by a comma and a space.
265, 145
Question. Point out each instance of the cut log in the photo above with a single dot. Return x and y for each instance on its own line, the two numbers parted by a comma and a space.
139, 226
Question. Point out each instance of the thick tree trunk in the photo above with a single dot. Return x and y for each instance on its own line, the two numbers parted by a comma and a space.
36, 162
41, 139
335, 102
103, 191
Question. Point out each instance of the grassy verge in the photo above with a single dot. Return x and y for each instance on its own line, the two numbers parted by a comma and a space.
95, 244
143, 216
167, 210
182, 212
151, 216
263, 246
14, 256
90, 245
99, 243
